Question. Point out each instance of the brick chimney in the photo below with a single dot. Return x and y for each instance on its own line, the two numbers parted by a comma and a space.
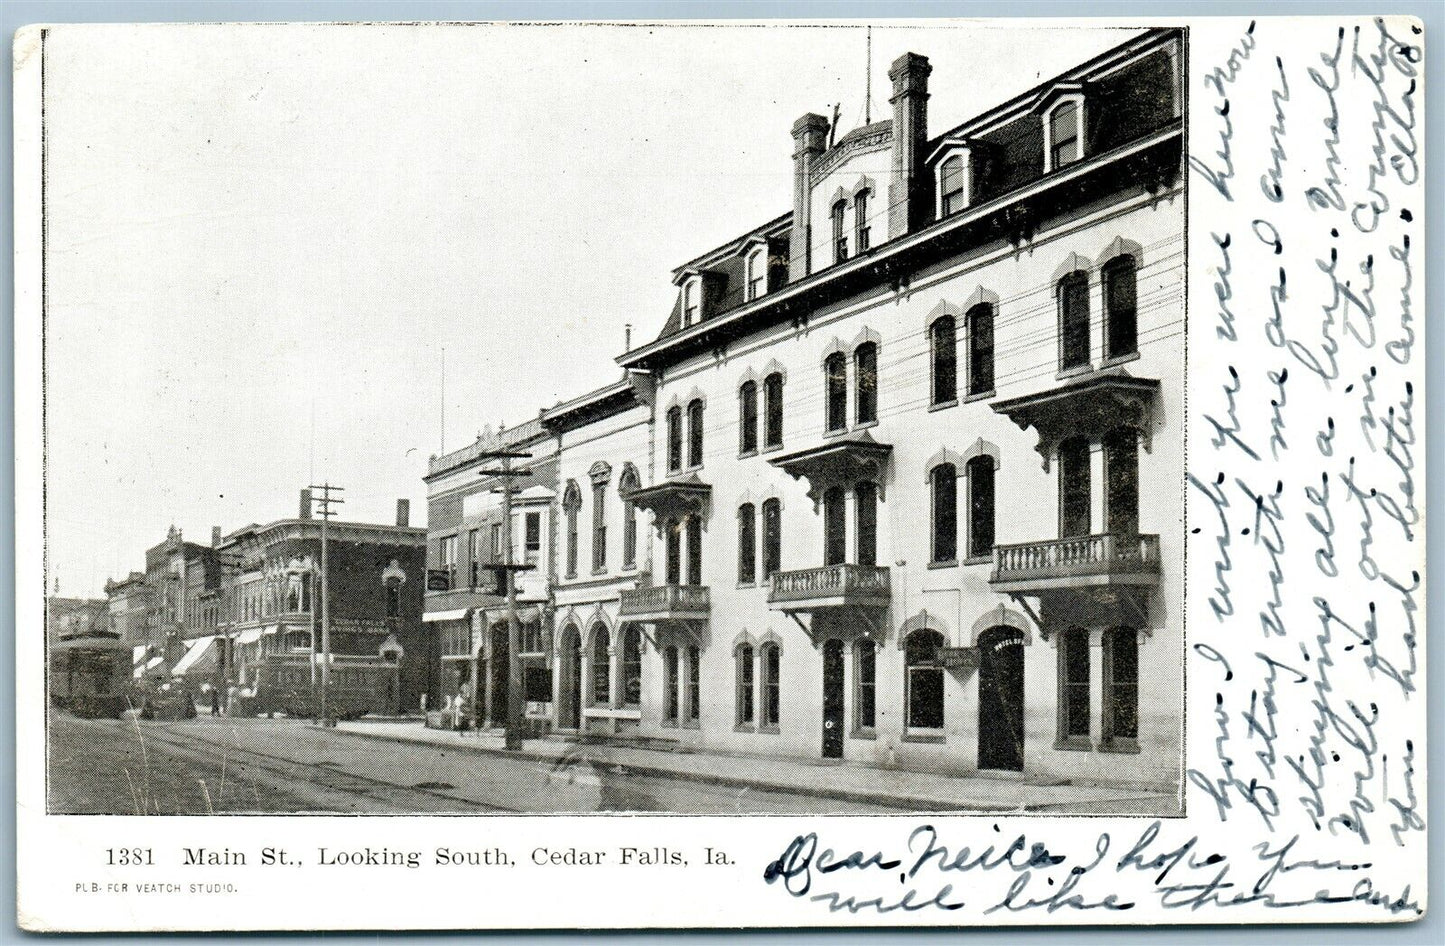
910, 191
306, 504
810, 140
403, 512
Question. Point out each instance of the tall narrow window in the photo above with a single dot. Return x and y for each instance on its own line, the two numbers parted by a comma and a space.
865, 372
599, 527
694, 683
449, 560
945, 513
673, 540
1121, 306
834, 516
1121, 684
694, 550
772, 537
840, 236
980, 349
757, 273
865, 702
1121, 480
951, 186
860, 221
694, 434
474, 555
943, 340
1074, 486
748, 417
865, 502
669, 684
747, 544
1064, 135
532, 537
746, 691
571, 503
771, 657
773, 405
496, 542
1074, 320
601, 666
1074, 684
690, 305
923, 680
980, 507
631, 668
629, 517
674, 439
835, 379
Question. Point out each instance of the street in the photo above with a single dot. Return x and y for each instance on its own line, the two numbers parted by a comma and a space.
227, 765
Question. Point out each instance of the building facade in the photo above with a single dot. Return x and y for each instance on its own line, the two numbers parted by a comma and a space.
174, 586
917, 478
128, 602
464, 609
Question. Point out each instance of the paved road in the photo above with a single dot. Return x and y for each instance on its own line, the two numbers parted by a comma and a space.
257, 765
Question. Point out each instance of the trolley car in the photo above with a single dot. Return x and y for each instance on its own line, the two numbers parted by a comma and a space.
90, 675
289, 684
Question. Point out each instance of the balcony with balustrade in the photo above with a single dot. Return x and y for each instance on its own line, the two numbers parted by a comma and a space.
658, 603
832, 586
1086, 561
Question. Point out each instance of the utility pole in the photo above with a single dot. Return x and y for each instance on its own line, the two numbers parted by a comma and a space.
507, 572
321, 495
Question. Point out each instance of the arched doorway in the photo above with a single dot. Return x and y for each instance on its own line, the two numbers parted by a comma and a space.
833, 699
1001, 699
569, 713
500, 667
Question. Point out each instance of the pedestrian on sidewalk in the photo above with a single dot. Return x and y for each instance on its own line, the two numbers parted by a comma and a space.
215, 702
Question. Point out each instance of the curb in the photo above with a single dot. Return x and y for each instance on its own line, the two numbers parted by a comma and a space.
900, 802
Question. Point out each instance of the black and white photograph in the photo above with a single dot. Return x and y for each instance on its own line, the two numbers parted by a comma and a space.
723, 431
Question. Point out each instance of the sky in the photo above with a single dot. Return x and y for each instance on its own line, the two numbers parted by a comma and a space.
262, 237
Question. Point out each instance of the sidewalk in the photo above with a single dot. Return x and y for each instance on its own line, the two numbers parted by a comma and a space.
844, 781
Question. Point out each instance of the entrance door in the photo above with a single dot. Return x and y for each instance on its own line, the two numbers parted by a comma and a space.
571, 709
501, 668
1001, 699
833, 699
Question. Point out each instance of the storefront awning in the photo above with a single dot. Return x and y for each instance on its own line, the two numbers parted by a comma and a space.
526, 615
249, 637
191, 661
460, 614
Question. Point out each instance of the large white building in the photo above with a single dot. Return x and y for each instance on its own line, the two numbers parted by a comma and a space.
901, 480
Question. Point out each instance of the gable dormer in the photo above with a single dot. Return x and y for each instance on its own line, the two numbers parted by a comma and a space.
700, 292
1061, 108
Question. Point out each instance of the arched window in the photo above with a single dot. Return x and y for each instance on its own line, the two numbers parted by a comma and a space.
951, 186
834, 528
1074, 320
1121, 301
840, 236
860, 220
865, 685
1074, 487
1074, 685
669, 684
599, 527
571, 503
1121, 480
626, 487
694, 550
980, 507
691, 308
865, 502
773, 407
694, 683
757, 273
865, 373
835, 378
770, 655
945, 513
747, 544
1121, 685
601, 666
672, 531
943, 341
1064, 143
746, 692
694, 434
631, 679
748, 417
674, 439
923, 681
772, 538
980, 349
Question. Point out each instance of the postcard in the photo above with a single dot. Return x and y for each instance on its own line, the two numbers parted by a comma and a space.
720, 474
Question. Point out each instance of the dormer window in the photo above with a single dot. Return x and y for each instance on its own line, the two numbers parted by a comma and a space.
1064, 132
953, 177
860, 220
951, 186
691, 302
757, 272
840, 236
